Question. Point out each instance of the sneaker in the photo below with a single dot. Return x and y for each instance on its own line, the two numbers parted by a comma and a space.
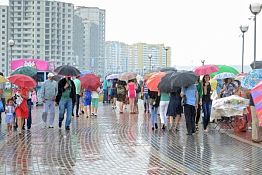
77, 116
51, 126
156, 126
67, 128
163, 127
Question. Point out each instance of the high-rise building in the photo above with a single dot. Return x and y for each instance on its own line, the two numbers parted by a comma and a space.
139, 57
79, 41
144, 57
42, 29
93, 20
116, 59
4, 39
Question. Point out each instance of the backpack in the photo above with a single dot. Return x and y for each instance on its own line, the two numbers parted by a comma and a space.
120, 90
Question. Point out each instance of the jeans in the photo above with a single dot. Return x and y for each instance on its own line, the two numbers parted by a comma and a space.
65, 104
206, 106
198, 114
163, 111
153, 114
49, 106
105, 97
190, 113
77, 104
29, 119
146, 103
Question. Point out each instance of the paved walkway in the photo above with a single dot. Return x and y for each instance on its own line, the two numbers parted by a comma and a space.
123, 144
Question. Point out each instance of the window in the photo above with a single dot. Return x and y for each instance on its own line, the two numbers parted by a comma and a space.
3, 16
3, 21
3, 10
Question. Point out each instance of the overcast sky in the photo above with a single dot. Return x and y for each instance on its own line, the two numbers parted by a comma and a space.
195, 29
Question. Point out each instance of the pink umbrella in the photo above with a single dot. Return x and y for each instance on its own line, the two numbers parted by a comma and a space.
256, 93
206, 69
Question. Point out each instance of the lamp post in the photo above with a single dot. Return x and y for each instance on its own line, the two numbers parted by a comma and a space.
166, 49
150, 58
255, 9
243, 29
11, 44
203, 62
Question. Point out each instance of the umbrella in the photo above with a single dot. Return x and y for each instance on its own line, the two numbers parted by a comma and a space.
256, 93
127, 76
3, 79
165, 83
154, 80
90, 81
67, 70
258, 65
22, 81
224, 75
206, 69
224, 68
240, 77
183, 79
168, 69
148, 75
252, 79
112, 76
57, 77
25, 70
139, 78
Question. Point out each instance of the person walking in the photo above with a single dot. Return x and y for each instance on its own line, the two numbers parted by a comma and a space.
29, 105
2, 96
21, 110
77, 83
206, 101
65, 98
105, 91
94, 101
121, 95
87, 102
49, 93
190, 97
145, 97
199, 106
175, 108
154, 100
163, 106
9, 118
131, 88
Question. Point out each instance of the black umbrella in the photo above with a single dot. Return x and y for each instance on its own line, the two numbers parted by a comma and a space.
258, 65
183, 79
67, 70
165, 83
168, 69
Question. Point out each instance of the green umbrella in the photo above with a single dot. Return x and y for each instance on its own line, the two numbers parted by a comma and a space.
25, 70
224, 68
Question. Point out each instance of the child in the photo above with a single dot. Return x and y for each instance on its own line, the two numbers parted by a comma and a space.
95, 99
87, 102
34, 97
9, 110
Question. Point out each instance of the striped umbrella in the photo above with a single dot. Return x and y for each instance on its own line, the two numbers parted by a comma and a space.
256, 93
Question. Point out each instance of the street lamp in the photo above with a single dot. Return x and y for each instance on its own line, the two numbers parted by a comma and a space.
203, 62
243, 29
11, 43
150, 58
255, 9
166, 49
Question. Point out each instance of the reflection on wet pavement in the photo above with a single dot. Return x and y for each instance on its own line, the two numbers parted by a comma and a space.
123, 144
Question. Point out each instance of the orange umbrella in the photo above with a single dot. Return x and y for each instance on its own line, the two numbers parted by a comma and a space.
154, 80
148, 75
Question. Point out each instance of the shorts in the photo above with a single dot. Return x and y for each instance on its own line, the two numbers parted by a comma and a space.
87, 101
9, 119
95, 102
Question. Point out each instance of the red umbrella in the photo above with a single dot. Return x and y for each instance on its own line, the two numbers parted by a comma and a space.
22, 81
90, 81
206, 69
154, 80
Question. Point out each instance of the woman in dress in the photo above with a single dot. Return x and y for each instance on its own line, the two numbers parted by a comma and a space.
131, 88
21, 110
175, 108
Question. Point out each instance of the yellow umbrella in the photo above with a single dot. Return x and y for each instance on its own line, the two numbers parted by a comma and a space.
3, 79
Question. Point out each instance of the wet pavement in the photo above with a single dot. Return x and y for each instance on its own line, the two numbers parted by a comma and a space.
123, 144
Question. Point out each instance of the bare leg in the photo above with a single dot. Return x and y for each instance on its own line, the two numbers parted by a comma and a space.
177, 120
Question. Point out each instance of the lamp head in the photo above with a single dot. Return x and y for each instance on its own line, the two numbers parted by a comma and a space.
255, 8
11, 43
244, 28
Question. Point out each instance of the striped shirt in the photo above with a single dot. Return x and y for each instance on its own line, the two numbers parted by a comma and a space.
145, 89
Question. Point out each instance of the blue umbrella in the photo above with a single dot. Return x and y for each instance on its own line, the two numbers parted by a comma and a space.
224, 75
252, 79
